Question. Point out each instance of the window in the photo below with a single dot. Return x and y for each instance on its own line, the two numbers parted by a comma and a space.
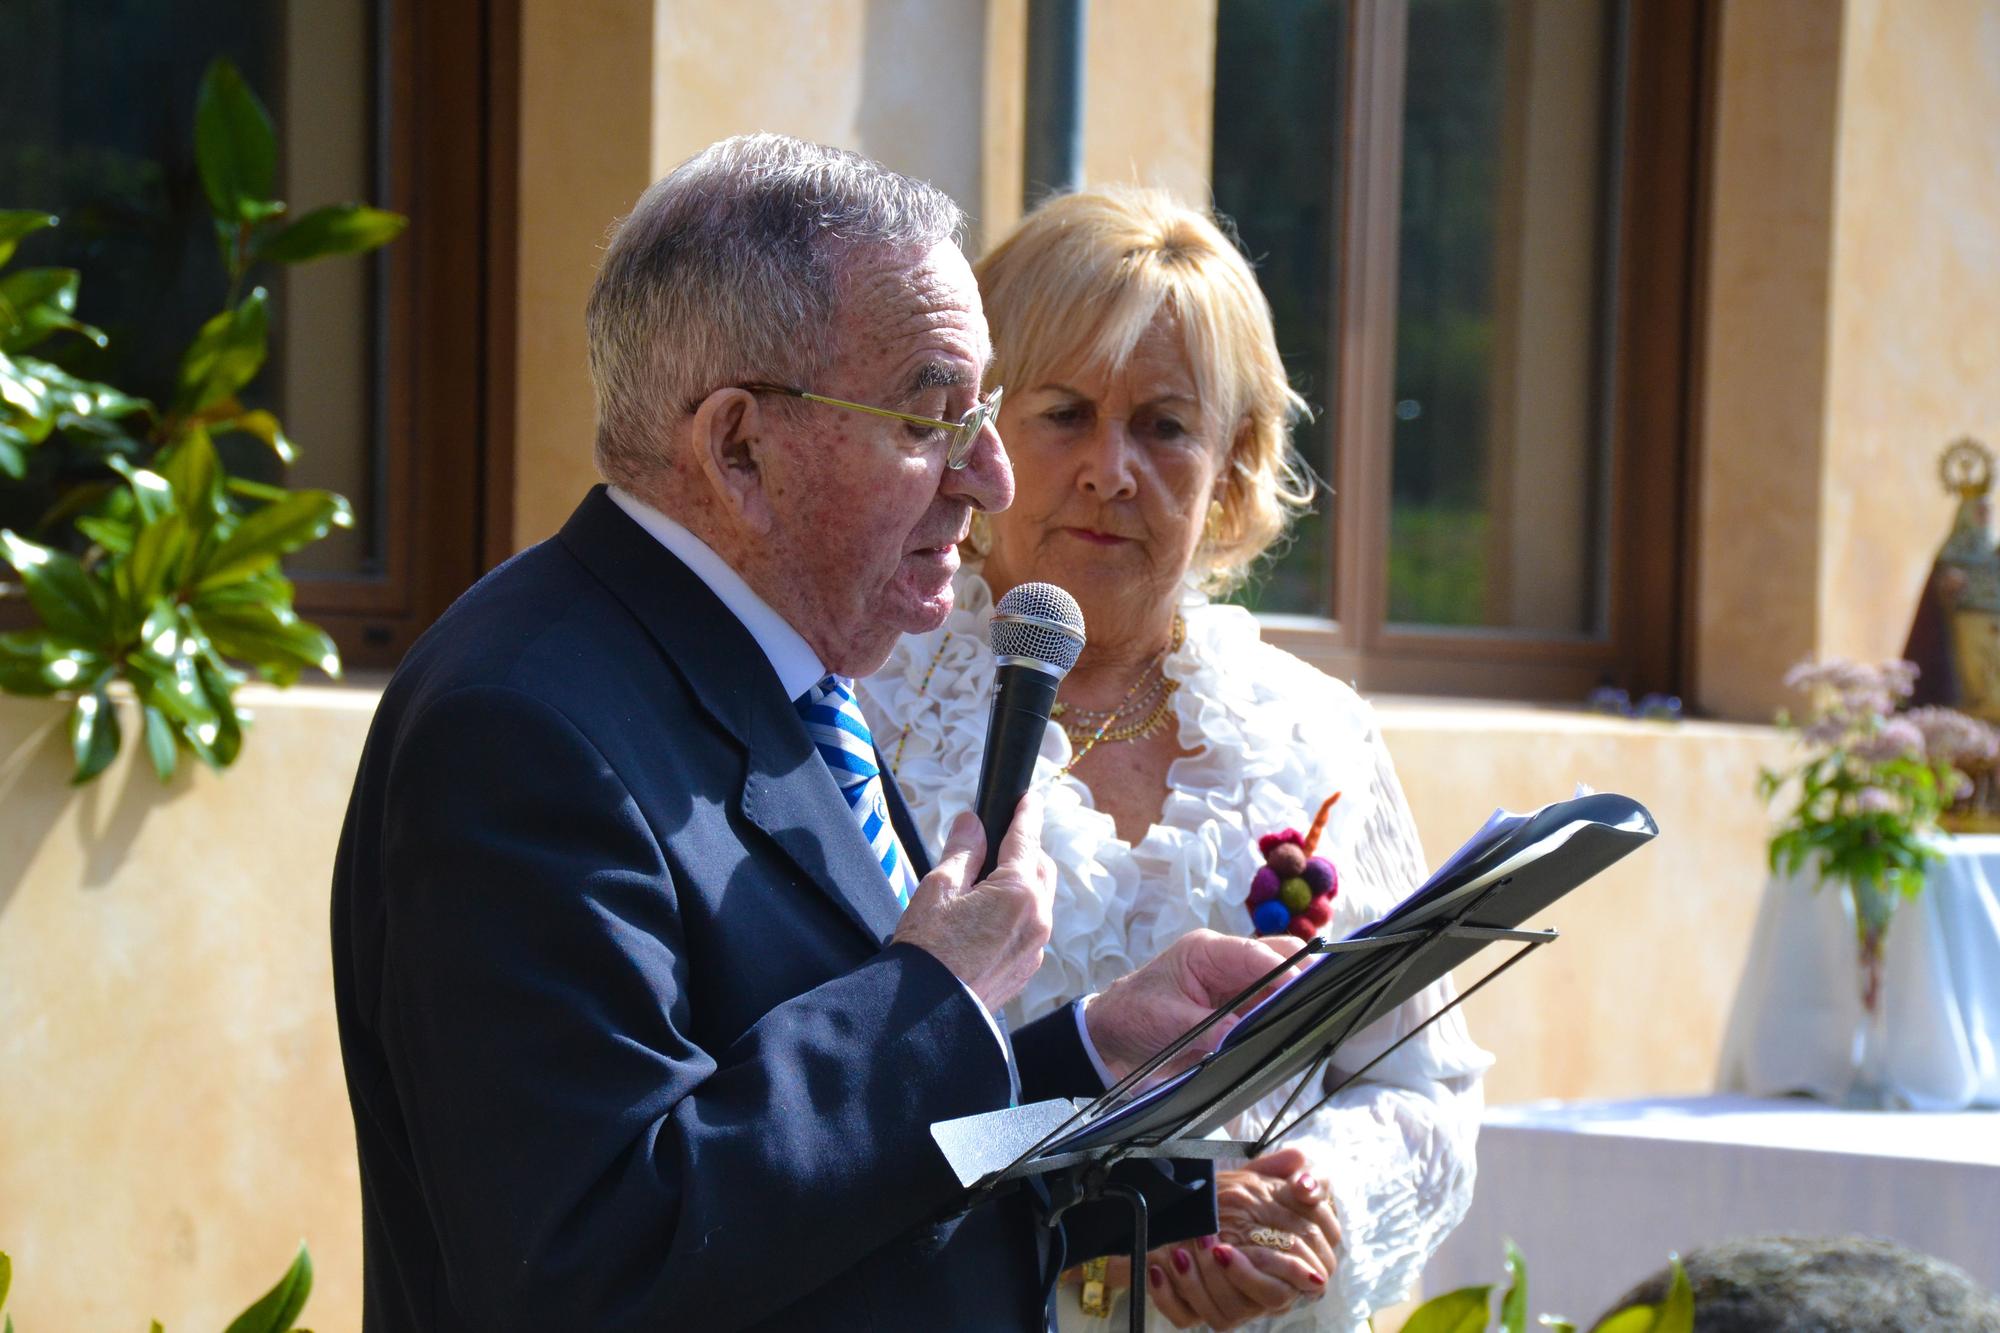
380, 367
1474, 219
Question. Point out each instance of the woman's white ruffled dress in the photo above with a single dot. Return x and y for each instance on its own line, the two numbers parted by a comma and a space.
1271, 738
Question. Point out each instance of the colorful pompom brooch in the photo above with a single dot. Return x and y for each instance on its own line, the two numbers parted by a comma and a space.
1292, 892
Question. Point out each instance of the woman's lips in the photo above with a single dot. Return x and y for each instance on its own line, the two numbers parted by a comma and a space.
1096, 538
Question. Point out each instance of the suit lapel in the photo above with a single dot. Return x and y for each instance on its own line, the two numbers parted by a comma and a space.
787, 791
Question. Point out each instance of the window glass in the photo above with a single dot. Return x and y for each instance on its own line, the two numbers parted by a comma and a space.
1279, 66
1499, 447
100, 131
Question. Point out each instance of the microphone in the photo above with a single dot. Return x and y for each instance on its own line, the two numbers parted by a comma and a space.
1037, 635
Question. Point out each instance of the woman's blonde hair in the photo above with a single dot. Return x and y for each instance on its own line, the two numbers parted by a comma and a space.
1082, 279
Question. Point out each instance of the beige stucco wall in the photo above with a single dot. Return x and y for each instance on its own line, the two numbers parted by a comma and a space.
1853, 280
175, 1121
1634, 997
1914, 348
614, 95
585, 156
1149, 94
1762, 422
178, 1119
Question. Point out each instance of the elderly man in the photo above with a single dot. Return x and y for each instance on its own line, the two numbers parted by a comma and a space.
639, 1031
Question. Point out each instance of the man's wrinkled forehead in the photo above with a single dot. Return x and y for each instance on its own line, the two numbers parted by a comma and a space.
924, 304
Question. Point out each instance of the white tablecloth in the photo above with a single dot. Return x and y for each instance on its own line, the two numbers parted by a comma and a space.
1798, 1007
1597, 1194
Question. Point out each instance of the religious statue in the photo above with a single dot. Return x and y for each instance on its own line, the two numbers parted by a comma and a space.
1955, 638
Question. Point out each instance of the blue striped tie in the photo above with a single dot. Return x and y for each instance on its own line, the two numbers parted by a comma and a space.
840, 733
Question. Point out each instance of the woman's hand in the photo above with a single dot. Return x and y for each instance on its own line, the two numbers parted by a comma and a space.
1225, 1280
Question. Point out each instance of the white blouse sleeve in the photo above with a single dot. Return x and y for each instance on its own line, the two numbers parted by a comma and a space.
1394, 1148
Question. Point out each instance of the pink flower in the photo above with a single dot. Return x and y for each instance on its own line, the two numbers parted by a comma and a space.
1898, 738
1951, 737
1874, 801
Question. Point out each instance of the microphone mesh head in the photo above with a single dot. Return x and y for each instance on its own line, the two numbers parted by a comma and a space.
1038, 621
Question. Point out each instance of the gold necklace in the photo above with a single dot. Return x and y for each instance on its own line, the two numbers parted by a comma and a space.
1159, 701
1105, 731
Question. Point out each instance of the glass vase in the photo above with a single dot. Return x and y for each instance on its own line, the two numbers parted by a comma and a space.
1868, 1087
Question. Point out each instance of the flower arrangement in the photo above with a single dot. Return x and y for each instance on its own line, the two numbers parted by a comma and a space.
1873, 785
1874, 780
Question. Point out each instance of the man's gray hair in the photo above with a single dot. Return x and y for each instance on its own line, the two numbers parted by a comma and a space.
727, 271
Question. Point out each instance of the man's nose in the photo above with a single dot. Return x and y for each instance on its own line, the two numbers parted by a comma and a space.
987, 479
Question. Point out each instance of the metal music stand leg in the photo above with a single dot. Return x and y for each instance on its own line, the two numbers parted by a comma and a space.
1136, 1306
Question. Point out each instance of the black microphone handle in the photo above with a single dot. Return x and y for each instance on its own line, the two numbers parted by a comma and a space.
1022, 698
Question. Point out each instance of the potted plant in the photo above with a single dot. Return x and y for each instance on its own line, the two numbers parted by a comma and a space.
148, 562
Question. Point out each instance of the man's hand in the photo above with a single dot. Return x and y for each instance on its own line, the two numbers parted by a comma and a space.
1143, 1011
989, 934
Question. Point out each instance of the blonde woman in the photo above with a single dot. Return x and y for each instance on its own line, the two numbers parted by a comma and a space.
1147, 418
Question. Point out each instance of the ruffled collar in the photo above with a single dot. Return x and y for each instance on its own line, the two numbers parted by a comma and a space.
1267, 740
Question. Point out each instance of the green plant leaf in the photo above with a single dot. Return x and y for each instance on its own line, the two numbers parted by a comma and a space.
271, 638
157, 1327
35, 662
337, 229
266, 428
1558, 1323
35, 302
93, 735
278, 1309
1461, 1311
69, 598
1677, 1314
6, 1263
152, 494
279, 528
234, 144
1514, 1305
148, 574
230, 720
1632, 1319
16, 223
160, 745
23, 666
225, 355
76, 397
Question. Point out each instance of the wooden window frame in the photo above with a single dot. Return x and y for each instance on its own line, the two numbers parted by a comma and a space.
1667, 57
450, 92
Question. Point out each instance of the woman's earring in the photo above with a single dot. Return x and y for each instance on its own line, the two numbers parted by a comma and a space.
979, 535
1211, 526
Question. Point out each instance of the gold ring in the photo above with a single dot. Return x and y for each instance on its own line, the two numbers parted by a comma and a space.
1271, 1238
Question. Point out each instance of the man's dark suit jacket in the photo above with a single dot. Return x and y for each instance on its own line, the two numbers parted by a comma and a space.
624, 1045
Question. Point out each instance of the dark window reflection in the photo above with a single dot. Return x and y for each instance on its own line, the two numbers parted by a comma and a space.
98, 107
1498, 452
1279, 66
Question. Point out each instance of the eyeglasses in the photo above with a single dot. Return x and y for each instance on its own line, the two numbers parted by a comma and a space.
963, 431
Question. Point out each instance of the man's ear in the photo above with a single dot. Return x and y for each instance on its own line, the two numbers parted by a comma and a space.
729, 448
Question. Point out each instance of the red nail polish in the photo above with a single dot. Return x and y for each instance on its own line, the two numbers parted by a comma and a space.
1206, 1242
1156, 1275
1307, 1183
1181, 1261
1224, 1255
1318, 1281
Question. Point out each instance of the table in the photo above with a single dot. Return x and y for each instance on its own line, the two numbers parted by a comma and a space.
1798, 1008
1597, 1194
